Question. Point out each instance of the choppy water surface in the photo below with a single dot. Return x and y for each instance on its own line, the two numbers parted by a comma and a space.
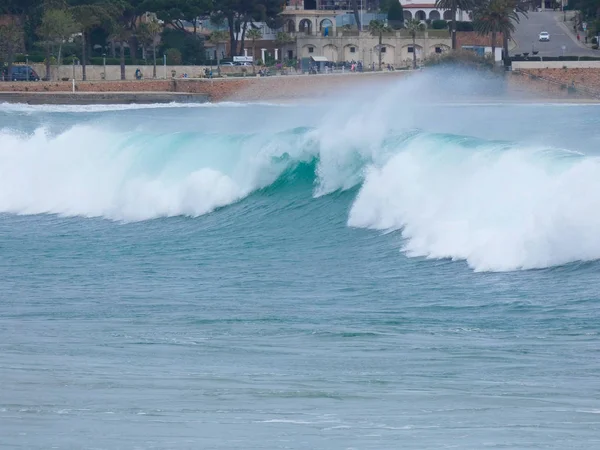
375, 274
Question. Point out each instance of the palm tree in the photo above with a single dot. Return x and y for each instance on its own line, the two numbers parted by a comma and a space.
217, 37
414, 26
148, 33
520, 7
454, 6
493, 17
377, 28
282, 40
254, 34
122, 34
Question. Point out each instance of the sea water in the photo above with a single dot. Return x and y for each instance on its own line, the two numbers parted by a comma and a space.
349, 273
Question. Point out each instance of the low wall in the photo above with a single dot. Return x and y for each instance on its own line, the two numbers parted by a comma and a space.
556, 83
242, 89
113, 73
521, 65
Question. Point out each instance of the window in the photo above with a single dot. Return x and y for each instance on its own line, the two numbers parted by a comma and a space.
311, 49
411, 50
438, 49
383, 49
352, 49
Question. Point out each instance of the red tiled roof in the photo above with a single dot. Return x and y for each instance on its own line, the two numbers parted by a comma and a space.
476, 39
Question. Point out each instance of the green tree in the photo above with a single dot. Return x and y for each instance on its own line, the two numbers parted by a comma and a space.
218, 37
395, 14
414, 26
175, 12
495, 16
149, 32
238, 14
282, 40
454, 6
103, 13
56, 28
254, 34
121, 34
377, 28
11, 41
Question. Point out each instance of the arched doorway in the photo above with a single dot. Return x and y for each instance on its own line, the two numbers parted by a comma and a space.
434, 15
290, 26
448, 15
420, 15
407, 15
305, 26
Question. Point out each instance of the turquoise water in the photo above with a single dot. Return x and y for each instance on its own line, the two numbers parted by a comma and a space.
318, 276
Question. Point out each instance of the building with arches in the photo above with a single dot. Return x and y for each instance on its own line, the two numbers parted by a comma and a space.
397, 47
428, 11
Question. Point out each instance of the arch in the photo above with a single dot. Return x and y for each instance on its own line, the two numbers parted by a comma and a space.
308, 51
448, 15
325, 23
408, 54
350, 55
438, 48
330, 52
387, 54
434, 15
407, 15
290, 26
420, 15
305, 26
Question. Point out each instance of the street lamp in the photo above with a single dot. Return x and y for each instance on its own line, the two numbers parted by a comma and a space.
27, 65
104, 64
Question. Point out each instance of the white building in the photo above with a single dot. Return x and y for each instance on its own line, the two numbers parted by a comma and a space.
428, 11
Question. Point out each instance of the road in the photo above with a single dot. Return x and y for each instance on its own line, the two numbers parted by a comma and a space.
527, 32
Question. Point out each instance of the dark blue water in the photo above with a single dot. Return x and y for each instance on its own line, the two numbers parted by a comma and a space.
292, 277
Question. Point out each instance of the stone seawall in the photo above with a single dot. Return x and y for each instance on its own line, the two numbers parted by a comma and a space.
240, 89
544, 83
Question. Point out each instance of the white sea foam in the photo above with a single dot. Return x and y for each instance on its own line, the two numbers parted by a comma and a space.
33, 109
498, 210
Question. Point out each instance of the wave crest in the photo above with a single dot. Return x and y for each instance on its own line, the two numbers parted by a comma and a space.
497, 206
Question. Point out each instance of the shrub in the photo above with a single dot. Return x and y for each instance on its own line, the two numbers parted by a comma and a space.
173, 56
439, 25
464, 26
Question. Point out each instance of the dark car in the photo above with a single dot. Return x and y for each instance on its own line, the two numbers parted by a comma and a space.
20, 73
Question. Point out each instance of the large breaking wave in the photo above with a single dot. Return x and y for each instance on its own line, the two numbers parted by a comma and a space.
498, 206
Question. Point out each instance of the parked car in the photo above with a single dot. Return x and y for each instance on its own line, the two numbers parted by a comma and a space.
20, 73
544, 36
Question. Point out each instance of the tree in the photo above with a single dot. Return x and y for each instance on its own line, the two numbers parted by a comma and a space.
395, 14
238, 14
520, 7
454, 6
377, 28
121, 34
11, 40
414, 26
218, 37
175, 12
149, 32
493, 17
282, 40
56, 28
90, 15
254, 34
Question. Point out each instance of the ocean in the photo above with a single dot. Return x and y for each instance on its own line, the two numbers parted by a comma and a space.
383, 270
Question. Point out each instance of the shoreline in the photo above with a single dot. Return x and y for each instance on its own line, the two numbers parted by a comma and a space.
100, 98
162, 98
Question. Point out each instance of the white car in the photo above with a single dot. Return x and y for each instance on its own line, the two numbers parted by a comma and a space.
544, 36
